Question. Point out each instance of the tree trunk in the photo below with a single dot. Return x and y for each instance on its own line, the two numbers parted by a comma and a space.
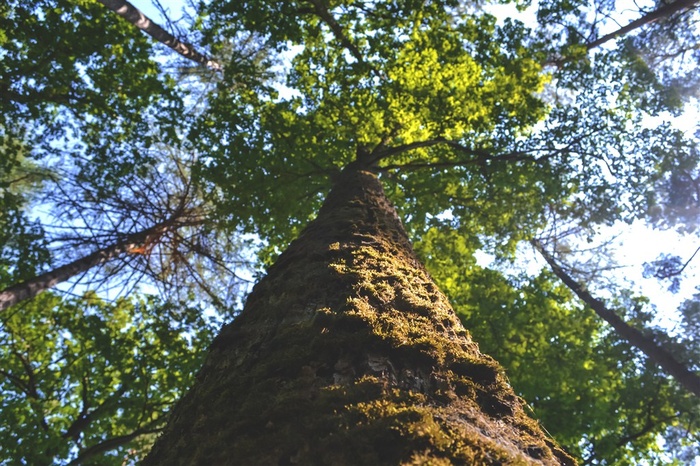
132, 14
662, 12
30, 288
647, 345
347, 353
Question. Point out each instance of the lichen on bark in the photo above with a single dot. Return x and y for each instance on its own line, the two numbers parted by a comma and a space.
347, 353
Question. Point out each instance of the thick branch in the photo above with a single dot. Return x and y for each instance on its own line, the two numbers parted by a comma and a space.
17, 382
662, 12
111, 444
30, 288
479, 155
86, 417
648, 427
322, 12
651, 349
132, 14
31, 96
381, 152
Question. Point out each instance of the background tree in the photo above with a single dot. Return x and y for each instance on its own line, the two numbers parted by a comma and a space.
645, 343
81, 98
121, 181
532, 325
132, 14
81, 117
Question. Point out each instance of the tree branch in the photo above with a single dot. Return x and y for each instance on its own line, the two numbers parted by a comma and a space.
111, 444
322, 12
647, 345
30, 288
480, 155
86, 417
666, 10
133, 15
663, 274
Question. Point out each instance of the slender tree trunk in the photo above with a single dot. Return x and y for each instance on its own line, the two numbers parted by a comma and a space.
662, 12
347, 353
647, 345
132, 14
30, 288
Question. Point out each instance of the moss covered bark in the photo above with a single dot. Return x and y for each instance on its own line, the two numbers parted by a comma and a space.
347, 353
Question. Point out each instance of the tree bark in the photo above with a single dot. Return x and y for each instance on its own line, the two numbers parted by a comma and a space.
662, 12
647, 345
132, 14
347, 353
30, 288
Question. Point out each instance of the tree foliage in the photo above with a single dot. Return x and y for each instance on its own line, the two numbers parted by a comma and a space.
90, 381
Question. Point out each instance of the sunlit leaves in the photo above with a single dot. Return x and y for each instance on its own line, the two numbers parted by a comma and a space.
424, 73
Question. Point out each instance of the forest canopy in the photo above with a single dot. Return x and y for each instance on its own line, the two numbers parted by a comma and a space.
155, 160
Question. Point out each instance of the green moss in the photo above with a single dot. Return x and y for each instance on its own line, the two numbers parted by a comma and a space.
347, 353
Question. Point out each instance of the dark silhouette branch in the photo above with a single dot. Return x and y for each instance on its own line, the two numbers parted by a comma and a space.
17, 382
648, 427
31, 96
111, 444
128, 244
664, 273
647, 345
86, 415
662, 12
381, 152
322, 12
133, 15
478, 156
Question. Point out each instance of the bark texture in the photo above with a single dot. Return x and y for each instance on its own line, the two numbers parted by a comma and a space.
347, 353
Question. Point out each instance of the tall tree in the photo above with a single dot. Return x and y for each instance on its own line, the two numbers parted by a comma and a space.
139, 242
583, 19
663, 10
346, 352
660, 47
157, 227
